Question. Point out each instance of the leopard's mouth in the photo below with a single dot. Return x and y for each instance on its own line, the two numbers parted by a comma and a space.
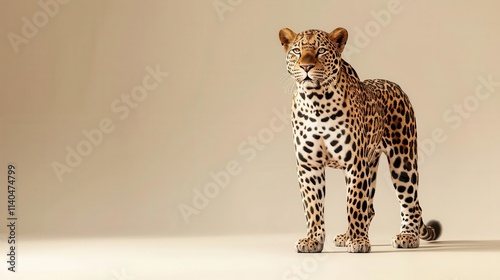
307, 79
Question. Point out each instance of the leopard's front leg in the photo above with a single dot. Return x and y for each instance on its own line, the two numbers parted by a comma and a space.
312, 189
342, 240
358, 209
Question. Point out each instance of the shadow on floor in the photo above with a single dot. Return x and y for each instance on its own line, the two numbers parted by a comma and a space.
453, 246
461, 245
439, 246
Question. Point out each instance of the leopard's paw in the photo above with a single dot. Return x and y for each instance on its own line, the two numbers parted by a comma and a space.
309, 245
406, 240
341, 240
359, 245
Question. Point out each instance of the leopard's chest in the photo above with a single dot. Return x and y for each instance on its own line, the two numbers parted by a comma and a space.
334, 131
323, 131
319, 112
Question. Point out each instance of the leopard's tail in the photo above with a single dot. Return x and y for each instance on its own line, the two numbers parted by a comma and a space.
431, 231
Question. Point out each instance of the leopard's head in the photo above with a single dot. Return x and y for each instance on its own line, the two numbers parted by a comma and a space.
313, 56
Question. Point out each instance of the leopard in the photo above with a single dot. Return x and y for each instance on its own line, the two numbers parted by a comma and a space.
341, 122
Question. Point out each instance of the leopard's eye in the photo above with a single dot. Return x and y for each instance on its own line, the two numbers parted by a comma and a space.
296, 50
321, 50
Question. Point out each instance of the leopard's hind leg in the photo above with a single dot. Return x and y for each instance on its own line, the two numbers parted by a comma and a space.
400, 142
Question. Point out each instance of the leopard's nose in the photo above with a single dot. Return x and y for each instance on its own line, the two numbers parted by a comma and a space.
307, 67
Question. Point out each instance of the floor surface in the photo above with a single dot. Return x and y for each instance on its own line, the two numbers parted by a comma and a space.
245, 257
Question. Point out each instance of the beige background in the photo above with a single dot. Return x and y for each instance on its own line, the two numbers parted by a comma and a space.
218, 106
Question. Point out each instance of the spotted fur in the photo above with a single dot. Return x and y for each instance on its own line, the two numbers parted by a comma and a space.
342, 122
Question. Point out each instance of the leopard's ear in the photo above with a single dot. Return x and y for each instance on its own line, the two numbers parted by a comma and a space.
339, 38
287, 37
